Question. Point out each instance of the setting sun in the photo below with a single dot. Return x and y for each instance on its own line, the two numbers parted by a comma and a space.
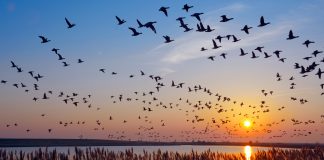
247, 123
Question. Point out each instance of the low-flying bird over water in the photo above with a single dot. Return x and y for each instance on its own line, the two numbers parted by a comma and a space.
120, 21
70, 25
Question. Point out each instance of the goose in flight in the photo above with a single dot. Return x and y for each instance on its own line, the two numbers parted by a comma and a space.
167, 39
211, 58
70, 25
319, 73
242, 52
135, 33
291, 35
44, 40
45, 96
55, 50
13, 65
186, 7
223, 55
164, 10
3, 81
120, 21
307, 43
140, 25
80, 61
151, 26
246, 29
65, 64
262, 23
254, 56
197, 16
60, 57
316, 52
215, 46
225, 19
277, 53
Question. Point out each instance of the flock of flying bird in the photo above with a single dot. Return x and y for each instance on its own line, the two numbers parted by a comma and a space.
224, 106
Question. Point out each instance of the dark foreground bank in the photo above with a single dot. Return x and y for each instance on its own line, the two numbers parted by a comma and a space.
94, 142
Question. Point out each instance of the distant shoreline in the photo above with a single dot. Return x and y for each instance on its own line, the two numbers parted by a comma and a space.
4, 143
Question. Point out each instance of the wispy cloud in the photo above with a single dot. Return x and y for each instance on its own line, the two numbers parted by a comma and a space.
187, 47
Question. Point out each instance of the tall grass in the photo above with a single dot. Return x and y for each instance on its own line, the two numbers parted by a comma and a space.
105, 154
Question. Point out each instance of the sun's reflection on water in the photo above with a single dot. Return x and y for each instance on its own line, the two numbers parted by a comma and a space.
248, 152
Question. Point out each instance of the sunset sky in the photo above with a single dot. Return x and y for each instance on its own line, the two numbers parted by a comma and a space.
102, 44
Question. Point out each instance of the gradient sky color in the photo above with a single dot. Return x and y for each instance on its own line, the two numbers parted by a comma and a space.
101, 43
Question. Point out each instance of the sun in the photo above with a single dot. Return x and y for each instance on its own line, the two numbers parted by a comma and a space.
247, 123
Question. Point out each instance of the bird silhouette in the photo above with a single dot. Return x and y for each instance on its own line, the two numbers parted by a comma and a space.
45, 96
203, 49
259, 49
80, 61
167, 39
235, 39
291, 35
242, 52
307, 42
44, 40
140, 25
254, 56
246, 29
120, 21
319, 73
164, 10
13, 65
277, 53
219, 38
215, 46
208, 29
197, 16
65, 64
70, 25
262, 23
151, 26
282, 59
60, 57
223, 55
3, 81
55, 50
135, 33
225, 19
316, 52
266, 55
186, 7
211, 58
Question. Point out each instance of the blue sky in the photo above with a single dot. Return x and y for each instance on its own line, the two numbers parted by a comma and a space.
101, 43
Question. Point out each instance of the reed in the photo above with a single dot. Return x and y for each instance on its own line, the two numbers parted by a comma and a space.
104, 154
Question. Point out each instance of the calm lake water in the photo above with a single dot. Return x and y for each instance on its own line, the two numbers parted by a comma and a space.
139, 149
